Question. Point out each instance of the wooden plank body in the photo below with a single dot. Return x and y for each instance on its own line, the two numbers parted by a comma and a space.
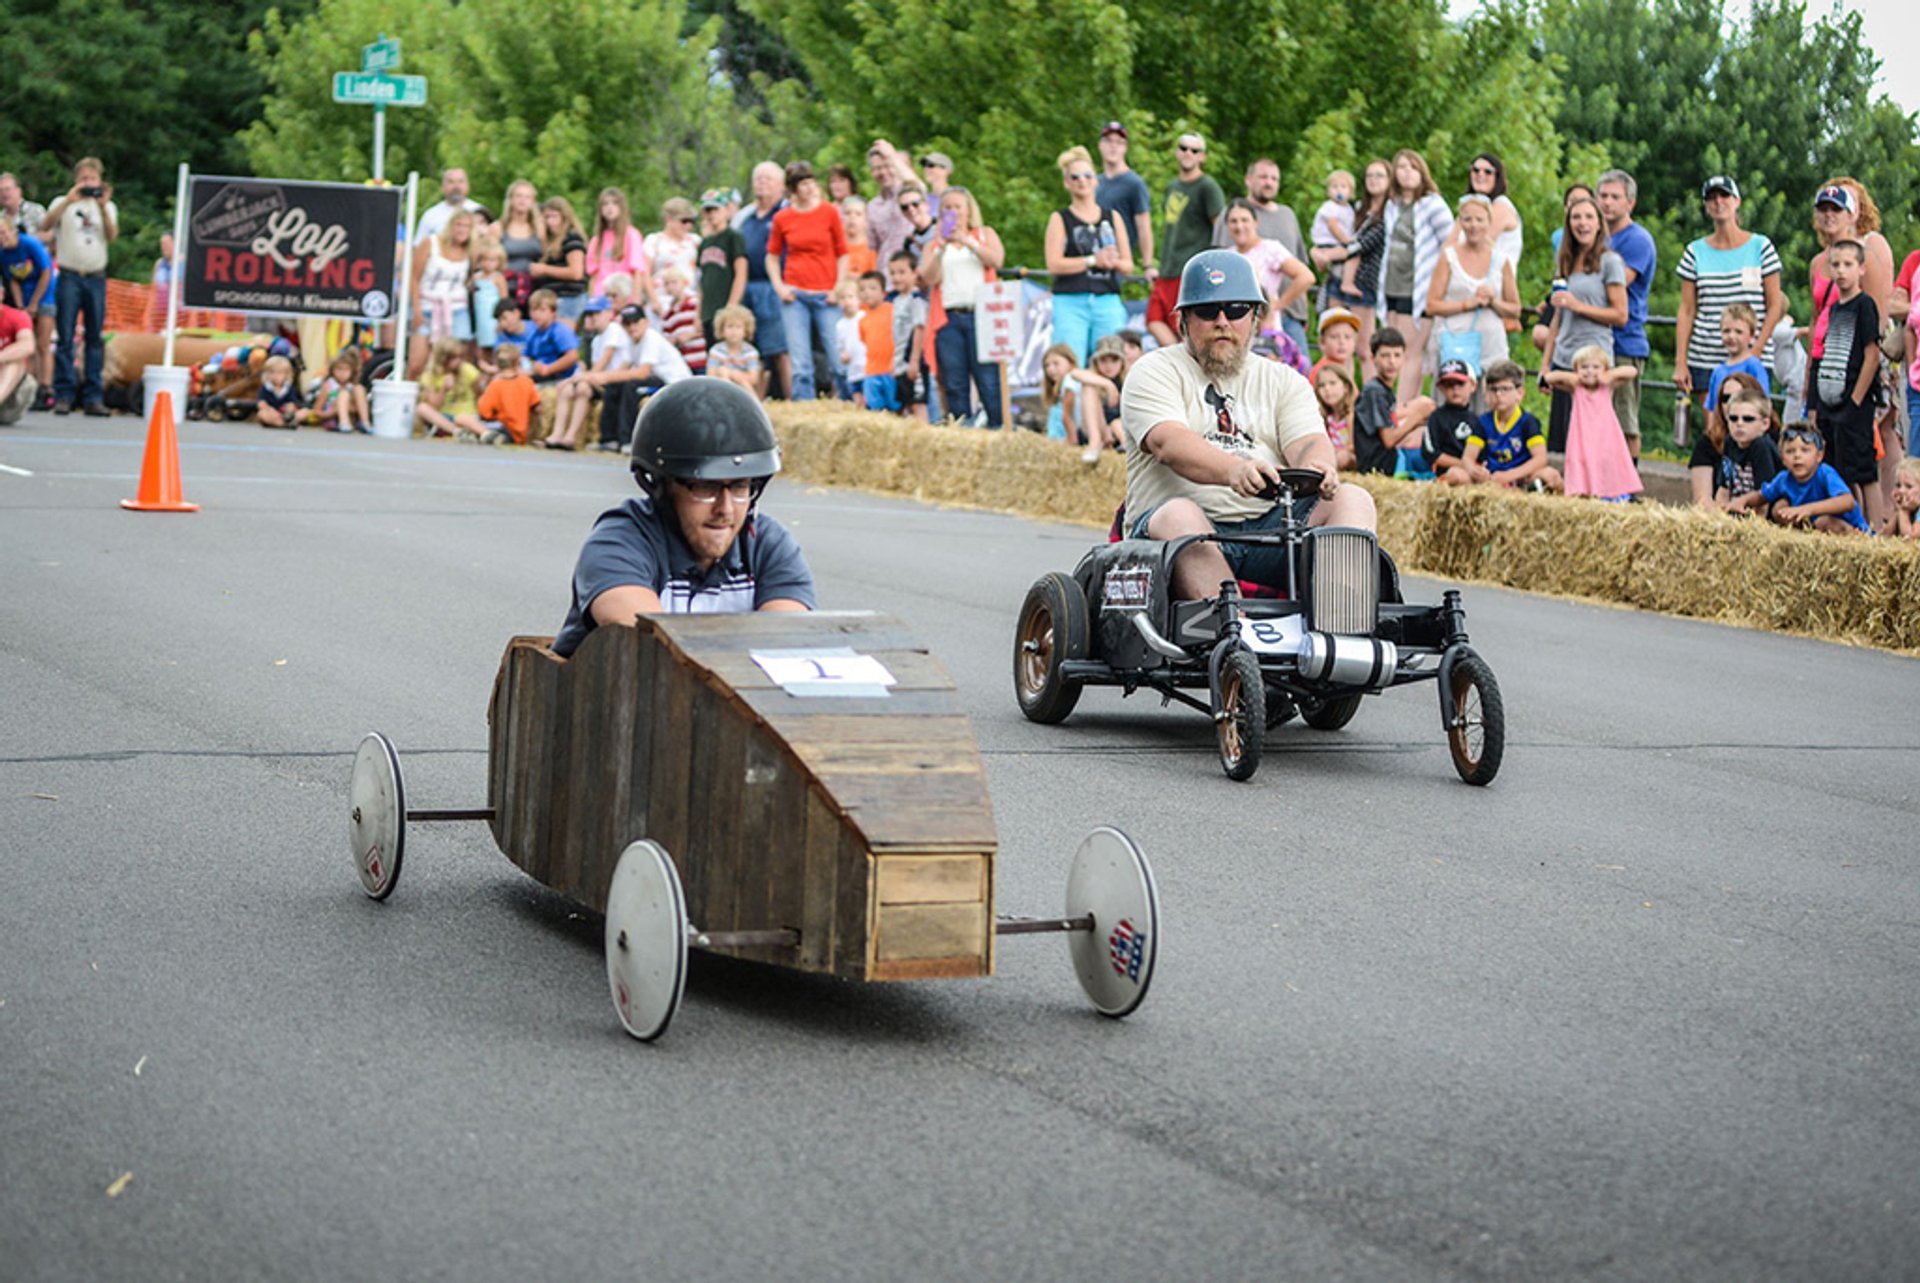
861, 822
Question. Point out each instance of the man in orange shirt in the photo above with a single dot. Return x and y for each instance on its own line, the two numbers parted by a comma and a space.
876, 332
509, 398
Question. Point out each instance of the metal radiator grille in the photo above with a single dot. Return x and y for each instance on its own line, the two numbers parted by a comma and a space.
1346, 587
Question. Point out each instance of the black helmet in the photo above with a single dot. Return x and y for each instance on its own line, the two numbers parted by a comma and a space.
1218, 276
703, 427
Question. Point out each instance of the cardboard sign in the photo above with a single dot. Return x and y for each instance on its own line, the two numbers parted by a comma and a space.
291, 248
1002, 328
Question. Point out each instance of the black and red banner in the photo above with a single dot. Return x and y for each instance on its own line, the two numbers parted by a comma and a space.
293, 248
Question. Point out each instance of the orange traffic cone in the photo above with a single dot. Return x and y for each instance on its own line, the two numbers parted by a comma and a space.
160, 474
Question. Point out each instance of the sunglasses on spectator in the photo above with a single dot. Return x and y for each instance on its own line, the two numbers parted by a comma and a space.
913, 204
1198, 151
1482, 169
1214, 311
1080, 176
1746, 418
1811, 435
709, 491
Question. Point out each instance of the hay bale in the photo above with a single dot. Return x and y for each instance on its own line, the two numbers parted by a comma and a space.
1678, 561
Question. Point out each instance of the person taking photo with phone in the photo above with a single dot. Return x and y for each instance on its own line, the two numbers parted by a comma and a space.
83, 223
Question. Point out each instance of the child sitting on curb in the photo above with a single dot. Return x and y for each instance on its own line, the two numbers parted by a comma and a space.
1809, 495
341, 403
1508, 447
1748, 456
1906, 499
734, 358
1453, 423
1334, 391
279, 405
507, 404
1380, 426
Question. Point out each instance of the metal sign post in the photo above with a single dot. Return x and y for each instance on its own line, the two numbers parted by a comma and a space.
402, 313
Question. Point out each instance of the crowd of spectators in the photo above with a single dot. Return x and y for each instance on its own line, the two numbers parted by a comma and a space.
804, 288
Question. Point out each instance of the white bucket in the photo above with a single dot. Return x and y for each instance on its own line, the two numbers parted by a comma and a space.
393, 404
172, 379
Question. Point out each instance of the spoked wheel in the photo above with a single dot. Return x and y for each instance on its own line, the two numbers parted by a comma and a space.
1053, 628
1240, 714
1331, 714
1478, 736
1111, 882
646, 940
377, 822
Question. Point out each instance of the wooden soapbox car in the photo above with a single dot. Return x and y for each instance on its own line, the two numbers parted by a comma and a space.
796, 789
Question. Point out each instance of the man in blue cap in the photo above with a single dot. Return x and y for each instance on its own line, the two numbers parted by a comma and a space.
1208, 431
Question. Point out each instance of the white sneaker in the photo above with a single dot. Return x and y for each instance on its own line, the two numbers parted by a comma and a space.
1090, 455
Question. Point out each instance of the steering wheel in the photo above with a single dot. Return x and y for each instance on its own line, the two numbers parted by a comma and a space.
1297, 482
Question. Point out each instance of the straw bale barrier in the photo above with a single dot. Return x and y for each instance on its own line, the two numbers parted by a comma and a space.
1676, 561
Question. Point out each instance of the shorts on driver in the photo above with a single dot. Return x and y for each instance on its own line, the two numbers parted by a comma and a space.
1255, 563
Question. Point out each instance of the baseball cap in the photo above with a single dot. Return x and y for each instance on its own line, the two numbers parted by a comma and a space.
1110, 345
939, 158
1837, 195
1113, 127
1719, 183
713, 198
1338, 316
1455, 371
598, 303
632, 312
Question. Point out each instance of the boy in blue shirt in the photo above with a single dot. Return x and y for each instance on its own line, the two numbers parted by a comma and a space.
1508, 446
1809, 495
1738, 325
550, 351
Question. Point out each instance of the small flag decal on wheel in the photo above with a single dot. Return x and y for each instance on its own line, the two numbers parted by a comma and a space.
1127, 947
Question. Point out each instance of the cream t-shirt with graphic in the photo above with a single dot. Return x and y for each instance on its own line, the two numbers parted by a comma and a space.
1255, 415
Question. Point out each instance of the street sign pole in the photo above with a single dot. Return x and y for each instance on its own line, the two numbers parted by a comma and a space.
379, 141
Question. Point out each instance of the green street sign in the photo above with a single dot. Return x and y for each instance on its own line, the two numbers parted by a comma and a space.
379, 90
382, 55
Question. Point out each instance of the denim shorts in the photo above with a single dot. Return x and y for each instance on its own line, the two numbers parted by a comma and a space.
1255, 563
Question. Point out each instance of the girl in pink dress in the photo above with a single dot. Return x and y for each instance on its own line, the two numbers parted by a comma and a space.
1598, 462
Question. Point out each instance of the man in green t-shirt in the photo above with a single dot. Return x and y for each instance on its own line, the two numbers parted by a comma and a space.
1187, 212
722, 260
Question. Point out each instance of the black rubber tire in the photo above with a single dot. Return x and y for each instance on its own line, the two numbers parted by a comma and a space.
1478, 746
1243, 698
1331, 714
217, 410
1054, 627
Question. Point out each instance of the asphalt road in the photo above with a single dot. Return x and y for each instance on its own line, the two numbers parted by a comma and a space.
1642, 1010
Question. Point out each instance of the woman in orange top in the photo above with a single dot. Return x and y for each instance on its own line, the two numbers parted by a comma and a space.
806, 259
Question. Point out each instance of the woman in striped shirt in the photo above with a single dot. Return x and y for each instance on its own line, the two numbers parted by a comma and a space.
1730, 266
1418, 223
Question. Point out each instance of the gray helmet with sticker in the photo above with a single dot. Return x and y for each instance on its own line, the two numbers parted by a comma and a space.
703, 428
1218, 276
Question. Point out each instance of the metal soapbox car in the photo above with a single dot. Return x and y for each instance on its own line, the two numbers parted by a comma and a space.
1338, 633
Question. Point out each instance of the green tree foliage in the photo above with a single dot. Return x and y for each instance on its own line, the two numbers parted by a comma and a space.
141, 86
1672, 93
1003, 88
573, 95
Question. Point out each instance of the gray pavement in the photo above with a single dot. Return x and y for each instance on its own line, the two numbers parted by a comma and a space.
1642, 1010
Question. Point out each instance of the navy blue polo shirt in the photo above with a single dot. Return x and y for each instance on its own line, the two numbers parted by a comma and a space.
632, 545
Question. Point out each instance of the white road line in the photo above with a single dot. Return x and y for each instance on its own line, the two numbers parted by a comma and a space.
18, 472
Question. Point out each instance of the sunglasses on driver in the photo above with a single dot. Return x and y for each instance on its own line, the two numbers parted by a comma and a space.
1214, 311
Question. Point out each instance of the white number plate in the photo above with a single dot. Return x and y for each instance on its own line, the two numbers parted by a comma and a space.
1277, 636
